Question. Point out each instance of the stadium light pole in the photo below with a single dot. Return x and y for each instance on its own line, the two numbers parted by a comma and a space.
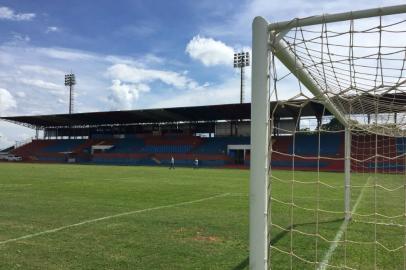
70, 81
241, 60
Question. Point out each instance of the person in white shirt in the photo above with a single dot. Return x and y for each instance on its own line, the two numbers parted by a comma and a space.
196, 164
172, 163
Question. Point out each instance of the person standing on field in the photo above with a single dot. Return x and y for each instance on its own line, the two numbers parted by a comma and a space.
196, 163
172, 163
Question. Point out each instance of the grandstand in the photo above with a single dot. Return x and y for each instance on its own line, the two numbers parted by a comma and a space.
218, 135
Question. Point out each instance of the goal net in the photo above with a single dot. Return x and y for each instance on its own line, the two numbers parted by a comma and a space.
328, 136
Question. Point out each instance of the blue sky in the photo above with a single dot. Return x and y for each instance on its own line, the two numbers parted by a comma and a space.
131, 54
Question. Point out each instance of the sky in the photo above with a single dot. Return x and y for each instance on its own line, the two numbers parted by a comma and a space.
131, 54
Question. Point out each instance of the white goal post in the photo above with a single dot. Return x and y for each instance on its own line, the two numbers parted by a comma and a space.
323, 77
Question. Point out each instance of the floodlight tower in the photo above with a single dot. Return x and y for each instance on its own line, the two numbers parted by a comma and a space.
70, 81
241, 60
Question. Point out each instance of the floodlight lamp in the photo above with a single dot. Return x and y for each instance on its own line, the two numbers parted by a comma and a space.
70, 79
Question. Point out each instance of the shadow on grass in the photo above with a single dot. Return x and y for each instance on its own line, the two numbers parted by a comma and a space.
244, 264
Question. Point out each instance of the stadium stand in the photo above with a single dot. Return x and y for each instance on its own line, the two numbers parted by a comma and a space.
212, 152
60, 146
8, 149
219, 145
127, 145
153, 136
305, 146
147, 150
365, 147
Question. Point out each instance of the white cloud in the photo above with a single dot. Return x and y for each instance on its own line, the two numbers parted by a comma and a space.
18, 39
51, 29
42, 84
140, 29
42, 70
153, 59
4, 141
21, 94
209, 51
65, 54
10, 133
226, 92
9, 14
135, 74
238, 25
123, 96
7, 101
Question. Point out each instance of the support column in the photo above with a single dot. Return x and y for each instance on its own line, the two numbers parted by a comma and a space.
347, 170
258, 232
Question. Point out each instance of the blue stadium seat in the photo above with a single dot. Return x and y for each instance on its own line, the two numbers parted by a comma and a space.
63, 146
127, 145
400, 146
307, 144
218, 145
166, 149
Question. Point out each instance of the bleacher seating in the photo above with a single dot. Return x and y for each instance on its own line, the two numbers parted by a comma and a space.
400, 146
158, 150
32, 148
369, 151
308, 144
166, 149
60, 146
218, 145
127, 145
306, 150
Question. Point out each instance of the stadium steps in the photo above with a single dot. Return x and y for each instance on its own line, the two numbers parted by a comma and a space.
219, 145
8, 149
32, 148
60, 146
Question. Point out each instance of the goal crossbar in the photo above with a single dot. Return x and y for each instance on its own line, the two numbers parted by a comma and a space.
337, 17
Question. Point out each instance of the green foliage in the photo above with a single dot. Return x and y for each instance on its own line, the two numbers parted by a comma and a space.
333, 125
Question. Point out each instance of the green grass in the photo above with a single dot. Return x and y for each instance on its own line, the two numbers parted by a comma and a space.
209, 234
205, 235
357, 249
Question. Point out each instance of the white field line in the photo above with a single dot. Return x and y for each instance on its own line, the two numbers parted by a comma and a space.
110, 217
14, 185
341, 230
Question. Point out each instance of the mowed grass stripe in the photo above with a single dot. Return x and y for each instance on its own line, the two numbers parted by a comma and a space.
110, 217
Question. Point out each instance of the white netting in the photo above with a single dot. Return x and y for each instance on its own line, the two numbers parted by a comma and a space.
359, 65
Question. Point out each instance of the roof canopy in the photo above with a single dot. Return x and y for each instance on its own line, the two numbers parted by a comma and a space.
165, 115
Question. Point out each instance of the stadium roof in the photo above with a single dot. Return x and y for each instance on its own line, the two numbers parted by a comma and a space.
164, 115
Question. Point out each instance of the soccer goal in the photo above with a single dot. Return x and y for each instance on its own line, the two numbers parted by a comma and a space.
332, 194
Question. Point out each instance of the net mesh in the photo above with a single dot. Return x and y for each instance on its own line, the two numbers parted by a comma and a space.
359, 66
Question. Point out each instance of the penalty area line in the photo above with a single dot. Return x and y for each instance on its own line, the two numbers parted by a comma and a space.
341, 230
28, 236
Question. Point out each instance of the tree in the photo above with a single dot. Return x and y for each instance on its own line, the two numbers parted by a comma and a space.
333, 125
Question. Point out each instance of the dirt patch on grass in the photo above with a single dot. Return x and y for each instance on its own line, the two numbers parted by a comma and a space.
197, 234
211, 238
180, 230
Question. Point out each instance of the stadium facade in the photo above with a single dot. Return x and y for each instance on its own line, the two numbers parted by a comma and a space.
216, 135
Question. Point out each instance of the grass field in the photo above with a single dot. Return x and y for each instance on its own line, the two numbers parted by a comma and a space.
105, 217
354, 245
